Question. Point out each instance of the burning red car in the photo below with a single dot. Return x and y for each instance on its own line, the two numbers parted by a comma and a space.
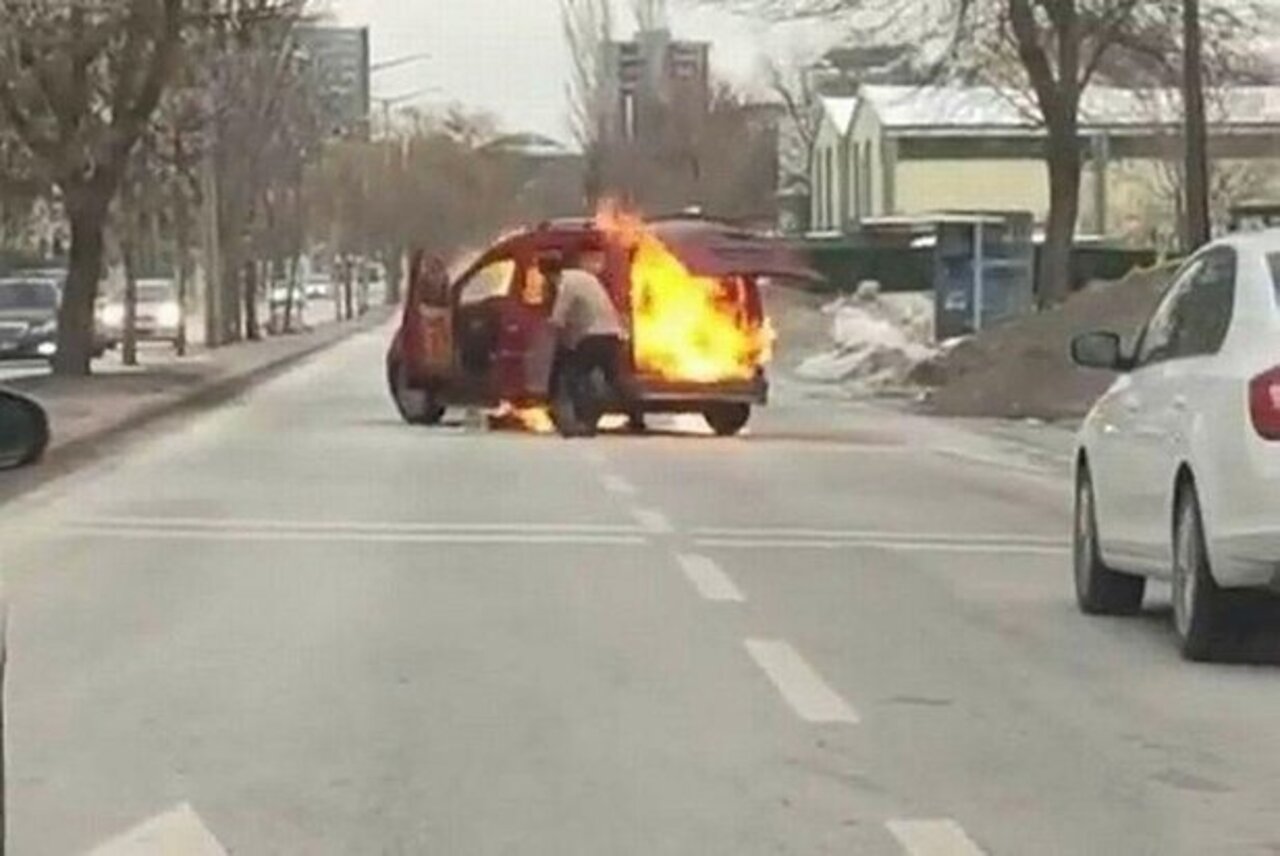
687, 287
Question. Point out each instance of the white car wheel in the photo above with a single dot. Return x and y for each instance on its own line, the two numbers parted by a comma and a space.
1099, 589
1201, 610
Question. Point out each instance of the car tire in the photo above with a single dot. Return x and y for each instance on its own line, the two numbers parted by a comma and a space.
1099, 589
416, 405
1201, 609
727, 420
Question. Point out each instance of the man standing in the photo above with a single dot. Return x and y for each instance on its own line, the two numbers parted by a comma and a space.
590, 332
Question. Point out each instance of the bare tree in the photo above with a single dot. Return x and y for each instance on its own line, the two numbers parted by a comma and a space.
1052, 48
78, 85
801, 121
588, 27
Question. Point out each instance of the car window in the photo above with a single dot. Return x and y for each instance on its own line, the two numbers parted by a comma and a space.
535, 290
1203, 314
28, 295
1157, 342
492, 280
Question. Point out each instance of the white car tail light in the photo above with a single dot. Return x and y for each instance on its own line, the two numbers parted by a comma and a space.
1264, 404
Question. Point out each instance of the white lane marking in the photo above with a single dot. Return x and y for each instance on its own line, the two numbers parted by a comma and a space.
801, 686
898, 546
178, 831
359, 526
709, 579
618, 485
942, 837
767, 532
652, 521
282, 536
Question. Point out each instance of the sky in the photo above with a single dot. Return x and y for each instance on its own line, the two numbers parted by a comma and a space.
508, 57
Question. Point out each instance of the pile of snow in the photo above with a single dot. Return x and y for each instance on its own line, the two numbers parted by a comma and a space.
876, 340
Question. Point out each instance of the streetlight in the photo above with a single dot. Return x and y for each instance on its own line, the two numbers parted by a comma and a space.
398, 61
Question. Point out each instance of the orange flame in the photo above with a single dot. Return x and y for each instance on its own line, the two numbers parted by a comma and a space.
535, 420
685, 327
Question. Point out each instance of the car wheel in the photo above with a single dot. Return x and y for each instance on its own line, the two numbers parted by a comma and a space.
1099, 589
417, 406
1200, 608
727, 419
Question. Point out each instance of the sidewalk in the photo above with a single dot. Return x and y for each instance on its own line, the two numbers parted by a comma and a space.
84, 410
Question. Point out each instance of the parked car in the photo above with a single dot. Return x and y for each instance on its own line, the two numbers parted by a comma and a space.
485, 339
318, 287
24, 433
28, 319
158, 314
1178, 465
282, 293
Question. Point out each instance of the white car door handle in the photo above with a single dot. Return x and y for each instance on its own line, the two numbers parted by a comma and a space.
1180, 402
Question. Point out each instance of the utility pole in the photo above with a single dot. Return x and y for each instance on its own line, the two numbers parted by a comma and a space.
1196, 133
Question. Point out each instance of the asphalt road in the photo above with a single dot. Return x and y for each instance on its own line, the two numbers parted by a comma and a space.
295, 625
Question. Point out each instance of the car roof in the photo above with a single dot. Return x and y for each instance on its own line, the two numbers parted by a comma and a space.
1262, 241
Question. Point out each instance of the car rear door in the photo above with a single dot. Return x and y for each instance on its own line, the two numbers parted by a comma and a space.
526, 342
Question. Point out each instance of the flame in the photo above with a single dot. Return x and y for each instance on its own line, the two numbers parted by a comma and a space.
535, 420
685, 327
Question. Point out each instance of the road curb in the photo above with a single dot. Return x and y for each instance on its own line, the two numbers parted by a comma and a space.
63, 459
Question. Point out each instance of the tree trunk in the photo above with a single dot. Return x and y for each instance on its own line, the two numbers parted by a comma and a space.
286, 273
1064, 162
252, 332
393, 261
182, 227
129, 339
348, 289
1198, 231
87, 212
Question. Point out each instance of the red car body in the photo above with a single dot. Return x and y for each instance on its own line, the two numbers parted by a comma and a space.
487, 340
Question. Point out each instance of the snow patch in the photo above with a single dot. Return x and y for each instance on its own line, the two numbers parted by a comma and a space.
876, 340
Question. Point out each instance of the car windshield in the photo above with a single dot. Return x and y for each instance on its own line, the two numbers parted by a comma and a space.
28, 295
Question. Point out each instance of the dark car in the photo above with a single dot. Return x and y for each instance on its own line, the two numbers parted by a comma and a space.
28, 318
486, 339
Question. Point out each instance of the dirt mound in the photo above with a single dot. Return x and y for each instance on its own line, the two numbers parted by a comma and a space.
1023, 369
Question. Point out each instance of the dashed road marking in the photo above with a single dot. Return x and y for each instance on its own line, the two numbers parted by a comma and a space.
618, 485
177, 831
709, 579
942, 837
653, 521
812, 699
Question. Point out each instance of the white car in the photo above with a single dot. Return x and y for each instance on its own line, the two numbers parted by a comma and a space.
318, 287
1178, 466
